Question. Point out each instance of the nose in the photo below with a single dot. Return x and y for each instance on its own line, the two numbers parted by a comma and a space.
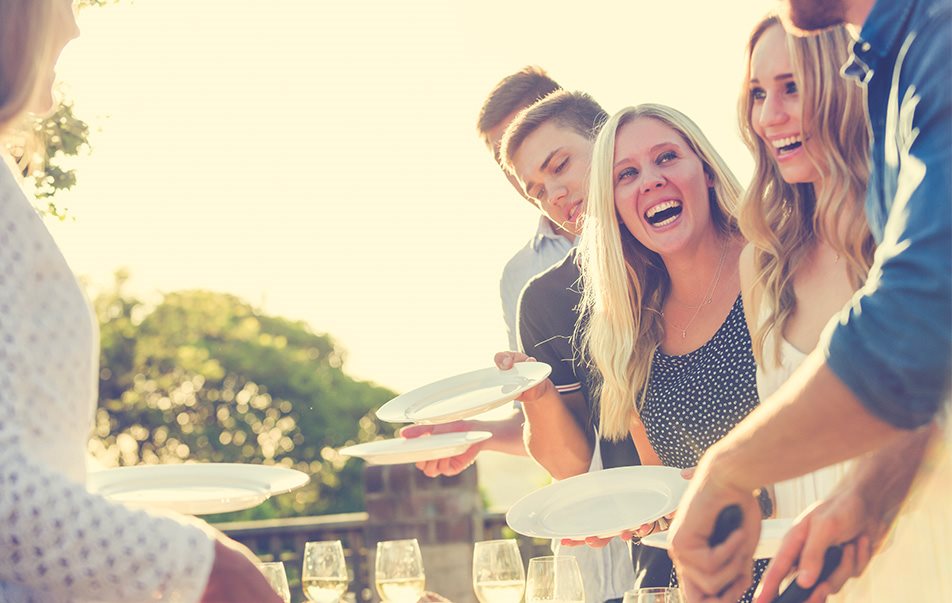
651, 180
558, 194
772, 112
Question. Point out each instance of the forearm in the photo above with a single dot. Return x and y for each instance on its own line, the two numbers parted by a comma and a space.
813, 421
553, 437
507, 434
884, 477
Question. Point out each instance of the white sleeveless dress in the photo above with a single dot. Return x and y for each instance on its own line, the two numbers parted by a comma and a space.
915, 561
793, 496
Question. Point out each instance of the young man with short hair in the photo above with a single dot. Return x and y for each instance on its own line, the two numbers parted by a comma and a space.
550, 243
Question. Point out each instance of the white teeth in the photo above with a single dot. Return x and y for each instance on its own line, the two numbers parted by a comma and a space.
661, 207
785, 142
665, 222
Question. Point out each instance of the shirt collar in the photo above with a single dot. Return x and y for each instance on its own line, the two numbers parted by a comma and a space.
544, 231
879, 35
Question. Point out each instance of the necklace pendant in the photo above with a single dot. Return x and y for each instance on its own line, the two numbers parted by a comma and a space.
684, 334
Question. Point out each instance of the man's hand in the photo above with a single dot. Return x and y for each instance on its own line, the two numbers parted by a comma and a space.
843, 518
451, 465
720, 574
234, 577
505, 361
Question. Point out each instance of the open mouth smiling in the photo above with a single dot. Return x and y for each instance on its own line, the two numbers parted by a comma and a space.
663, 213
789, 144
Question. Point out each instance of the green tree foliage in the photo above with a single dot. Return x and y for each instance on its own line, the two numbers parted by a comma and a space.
60, 135
203, 376
46, 142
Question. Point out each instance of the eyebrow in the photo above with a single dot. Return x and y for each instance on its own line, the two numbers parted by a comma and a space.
651, 150
531, 185
782, 76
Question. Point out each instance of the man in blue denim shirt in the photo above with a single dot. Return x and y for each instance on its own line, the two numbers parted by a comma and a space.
881, 373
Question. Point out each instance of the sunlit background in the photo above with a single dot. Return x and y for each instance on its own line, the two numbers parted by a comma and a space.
319, 158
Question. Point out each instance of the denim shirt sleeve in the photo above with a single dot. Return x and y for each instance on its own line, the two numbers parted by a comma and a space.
892, 345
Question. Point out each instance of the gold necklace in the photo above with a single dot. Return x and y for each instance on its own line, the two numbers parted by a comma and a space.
707, 298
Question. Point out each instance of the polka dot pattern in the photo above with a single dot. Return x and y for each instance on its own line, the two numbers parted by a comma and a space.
693, 400
58, 543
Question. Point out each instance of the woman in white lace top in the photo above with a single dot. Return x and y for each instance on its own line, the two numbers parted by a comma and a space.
809, 250
809, 246
58, 543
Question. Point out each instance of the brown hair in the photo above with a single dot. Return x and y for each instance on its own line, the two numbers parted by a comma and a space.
575, 110
24, 45
512, 93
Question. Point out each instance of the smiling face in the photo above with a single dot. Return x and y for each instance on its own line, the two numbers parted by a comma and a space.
552, 163
660, 186
776, 107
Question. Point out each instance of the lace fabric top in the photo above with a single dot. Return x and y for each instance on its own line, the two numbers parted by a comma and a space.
792, 496
59, 543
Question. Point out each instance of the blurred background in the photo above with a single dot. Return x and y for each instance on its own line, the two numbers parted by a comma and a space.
285, 217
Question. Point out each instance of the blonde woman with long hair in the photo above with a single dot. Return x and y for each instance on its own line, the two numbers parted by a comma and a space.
810, 247
810, 250
662, 317
58, 542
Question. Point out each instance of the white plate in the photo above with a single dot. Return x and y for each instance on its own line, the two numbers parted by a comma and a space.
600, 503
772, 532
413, 450
195, 489
463, 396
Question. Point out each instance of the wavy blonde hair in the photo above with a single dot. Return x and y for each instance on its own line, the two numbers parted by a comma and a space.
24, 49
784, 221
625, 283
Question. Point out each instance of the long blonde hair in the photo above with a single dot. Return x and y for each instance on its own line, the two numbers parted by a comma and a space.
783, 221
24, 49
625, 283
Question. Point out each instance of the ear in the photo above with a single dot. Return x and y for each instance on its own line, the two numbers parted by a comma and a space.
708, 176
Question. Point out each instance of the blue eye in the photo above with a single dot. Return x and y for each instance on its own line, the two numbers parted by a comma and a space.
628, 172
791, 88
666, 157
758, 94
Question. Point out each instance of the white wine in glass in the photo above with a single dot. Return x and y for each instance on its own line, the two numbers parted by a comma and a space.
398, 572
659, 594
277, 577
498, 574
324, 576
554, 580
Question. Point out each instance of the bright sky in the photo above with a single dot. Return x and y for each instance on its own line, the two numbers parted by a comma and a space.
319, 157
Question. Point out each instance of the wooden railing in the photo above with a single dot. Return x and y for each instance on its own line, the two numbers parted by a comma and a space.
284, 539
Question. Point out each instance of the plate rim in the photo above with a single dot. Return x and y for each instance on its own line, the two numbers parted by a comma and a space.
529, 505
474, 437
283, 480
659, 540
399, 405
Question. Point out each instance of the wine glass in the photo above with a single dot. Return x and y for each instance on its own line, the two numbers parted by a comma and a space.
277, 577
653, 595
399, 573
498, 575
554, 579
324, 577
